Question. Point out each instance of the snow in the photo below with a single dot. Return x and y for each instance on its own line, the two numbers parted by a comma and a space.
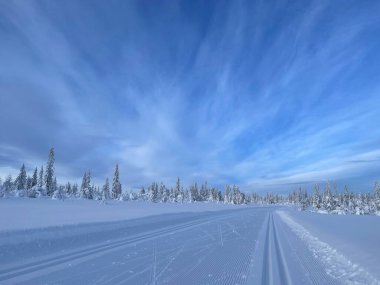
356, 237
336, 264
26, 213
85, 242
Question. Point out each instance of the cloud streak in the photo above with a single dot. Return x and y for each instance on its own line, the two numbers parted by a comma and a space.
266, 94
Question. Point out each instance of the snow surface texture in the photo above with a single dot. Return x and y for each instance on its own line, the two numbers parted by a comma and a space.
336, 264
26, 213
243, 245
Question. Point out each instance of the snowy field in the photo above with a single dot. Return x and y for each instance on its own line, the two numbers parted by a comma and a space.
24, 213
83, 242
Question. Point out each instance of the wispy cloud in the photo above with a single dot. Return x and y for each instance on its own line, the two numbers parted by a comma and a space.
259, 93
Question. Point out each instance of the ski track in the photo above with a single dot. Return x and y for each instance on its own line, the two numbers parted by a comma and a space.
250, 246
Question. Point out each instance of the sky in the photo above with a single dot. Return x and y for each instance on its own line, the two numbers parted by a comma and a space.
269, 95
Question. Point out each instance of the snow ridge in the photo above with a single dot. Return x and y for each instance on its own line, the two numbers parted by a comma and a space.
336, 265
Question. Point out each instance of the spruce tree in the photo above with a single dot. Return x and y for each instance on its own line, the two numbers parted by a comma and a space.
177, 190
106, 190
34, 178
21, 179
116, 186
316, 198
41, 177
85, 191
28, 182
377, 196
8, 184
49, 175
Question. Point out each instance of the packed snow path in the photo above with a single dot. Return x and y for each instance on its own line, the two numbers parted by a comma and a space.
247, 246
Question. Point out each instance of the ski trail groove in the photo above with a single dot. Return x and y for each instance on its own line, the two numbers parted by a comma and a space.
41, 265
283, 267
275, 267
266, 262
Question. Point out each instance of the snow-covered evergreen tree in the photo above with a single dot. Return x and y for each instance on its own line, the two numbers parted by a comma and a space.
41, 177
106, 190
116, 186
177, 190
153, 192
377, 197
163, 194
34, 178
327, 200
8, 184
21, 180
49, 174
86, 189
194, 193
316, 198
75, 190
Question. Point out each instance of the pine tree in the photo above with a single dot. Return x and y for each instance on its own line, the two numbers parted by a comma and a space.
377, 196
41, 177
34, 178
227, 195
75, 189
49, 175
106, 190
327, 201
85, 190
177, 190
194, 192
162, 195
28, 182
21, 179
8, 184
203, 192
68, 189
153, 192
316, 197
116, 186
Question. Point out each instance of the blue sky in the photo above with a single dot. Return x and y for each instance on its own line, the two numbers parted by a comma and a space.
265, 94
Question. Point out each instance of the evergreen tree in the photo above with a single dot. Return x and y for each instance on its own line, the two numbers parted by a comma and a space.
106, 190
194, 193
162, 194
75, 189
142, 194
21, 179
41, 177
376, 196
153, 192
116, 186
177, 190
316, 197
327, 201
34, 178
8, 184
86, 190
203, 192
227, 195
68, 189
28, 182
49, 175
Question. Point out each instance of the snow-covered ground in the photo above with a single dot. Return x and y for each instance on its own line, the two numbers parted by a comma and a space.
355, 240
26, 213
184, 244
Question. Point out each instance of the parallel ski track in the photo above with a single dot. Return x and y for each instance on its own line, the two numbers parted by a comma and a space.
41, 265
274, 257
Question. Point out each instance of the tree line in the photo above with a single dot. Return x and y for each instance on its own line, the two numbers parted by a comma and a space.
330, 200
43, 182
